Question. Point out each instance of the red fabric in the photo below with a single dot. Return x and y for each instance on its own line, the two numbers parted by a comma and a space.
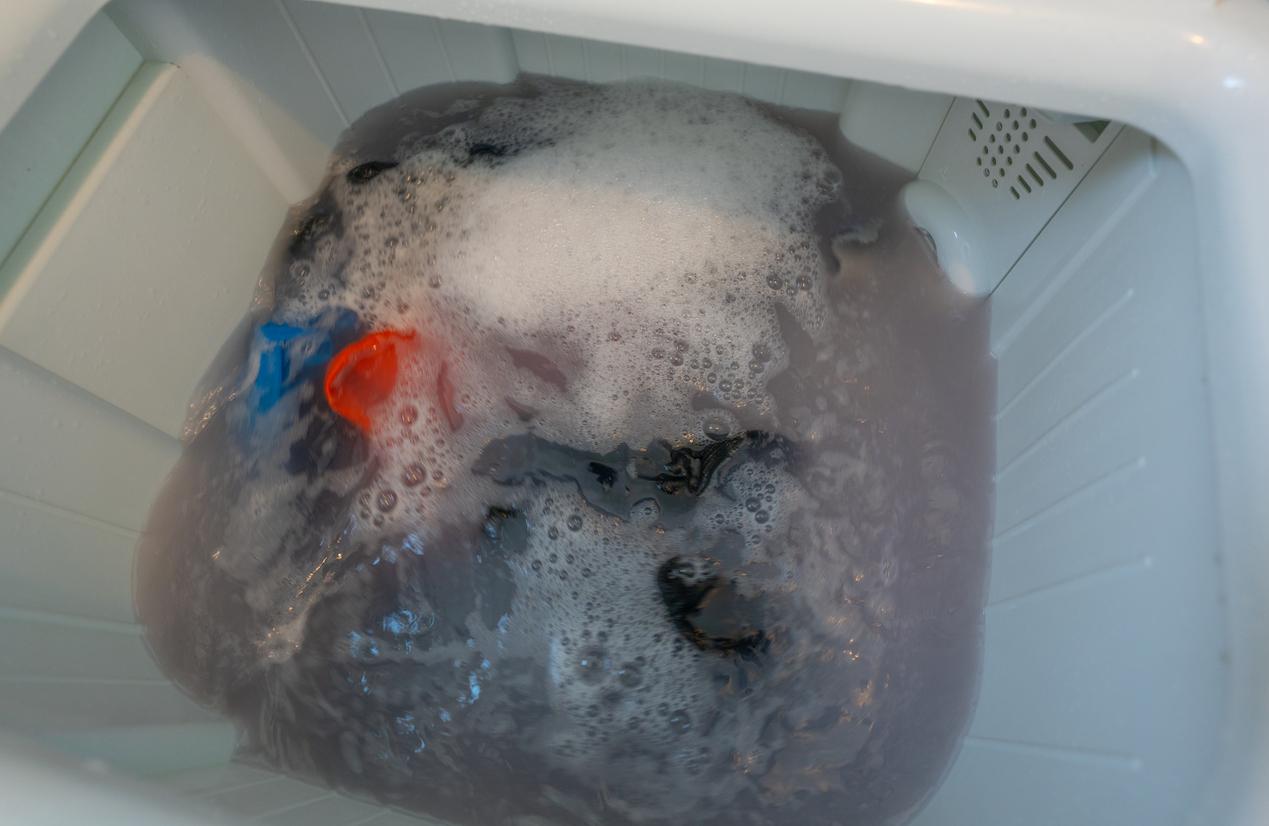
363, 375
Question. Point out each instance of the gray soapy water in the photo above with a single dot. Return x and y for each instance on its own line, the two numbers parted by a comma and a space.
700, 535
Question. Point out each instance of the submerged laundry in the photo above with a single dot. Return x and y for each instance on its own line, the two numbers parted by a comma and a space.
593, 454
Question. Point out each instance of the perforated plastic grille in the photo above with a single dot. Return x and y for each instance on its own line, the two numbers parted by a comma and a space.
1014, 150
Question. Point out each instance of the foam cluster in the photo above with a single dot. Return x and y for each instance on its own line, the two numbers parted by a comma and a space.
605, 261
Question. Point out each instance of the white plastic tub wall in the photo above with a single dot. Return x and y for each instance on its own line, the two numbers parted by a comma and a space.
144, 174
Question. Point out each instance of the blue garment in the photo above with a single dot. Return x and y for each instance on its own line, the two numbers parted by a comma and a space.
288, 355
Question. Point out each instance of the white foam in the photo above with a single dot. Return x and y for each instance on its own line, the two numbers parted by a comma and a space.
640, 237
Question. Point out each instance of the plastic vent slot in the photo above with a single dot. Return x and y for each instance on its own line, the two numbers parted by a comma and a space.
1000, 169
1005, 148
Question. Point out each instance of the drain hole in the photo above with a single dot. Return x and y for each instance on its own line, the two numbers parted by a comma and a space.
977, 120
994, 183
982, 106
972, 136
979, 160
1014, 192
1024, 183
1025, 136
1061, 156
1045, 164
1036, 175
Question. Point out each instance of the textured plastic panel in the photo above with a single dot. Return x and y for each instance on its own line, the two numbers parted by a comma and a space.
1104, 670
45, 789
55, 560
329, 811
896, 124
36, 652
277, 794
570, 57
149, 750
287, 76
41, 142
38, 709
63, 448
1008, 168
281, 801
107, 304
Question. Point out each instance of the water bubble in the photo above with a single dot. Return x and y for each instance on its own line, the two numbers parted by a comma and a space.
716, 428
413, 475
553, 532
409, 414
591, 665
387, 500
774, 281
574, 522
752, 504
680, 722
644, 512
761, 517
630, 675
